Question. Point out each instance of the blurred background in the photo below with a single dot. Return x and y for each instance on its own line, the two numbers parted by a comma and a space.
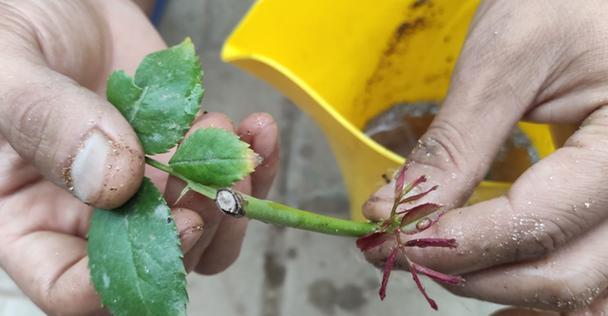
281, 272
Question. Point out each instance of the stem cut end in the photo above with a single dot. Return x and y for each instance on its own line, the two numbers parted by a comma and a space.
229, 202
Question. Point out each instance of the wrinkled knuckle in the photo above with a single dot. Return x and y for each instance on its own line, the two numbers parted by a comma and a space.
30, 120
500, 35
533, 234
540, 238
16, 29
562, 226
442, 147
541, 19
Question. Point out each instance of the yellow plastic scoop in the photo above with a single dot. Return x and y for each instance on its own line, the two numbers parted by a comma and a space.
345, 62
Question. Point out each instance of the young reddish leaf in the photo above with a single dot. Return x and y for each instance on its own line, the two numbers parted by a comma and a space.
417, 182
421, 287
399, 182
431, 242
417, 196
388, 267
371, 241
418, 212
437, 276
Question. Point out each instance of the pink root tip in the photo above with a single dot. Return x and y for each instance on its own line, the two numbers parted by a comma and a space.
437, 276
388, 267
421, 288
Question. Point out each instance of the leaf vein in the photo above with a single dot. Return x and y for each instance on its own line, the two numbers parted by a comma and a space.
206, 160
131, 257
137, 105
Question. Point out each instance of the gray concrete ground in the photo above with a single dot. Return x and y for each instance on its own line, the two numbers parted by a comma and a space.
281, 272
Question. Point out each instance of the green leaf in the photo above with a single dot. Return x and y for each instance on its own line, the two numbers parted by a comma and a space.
163, 99
135, 257
213, 156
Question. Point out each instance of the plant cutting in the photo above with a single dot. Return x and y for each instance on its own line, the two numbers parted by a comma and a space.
134, 251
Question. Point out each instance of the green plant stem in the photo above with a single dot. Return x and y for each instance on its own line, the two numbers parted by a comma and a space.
279, 214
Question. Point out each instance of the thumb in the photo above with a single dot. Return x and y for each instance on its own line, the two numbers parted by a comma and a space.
491, 89
72, 136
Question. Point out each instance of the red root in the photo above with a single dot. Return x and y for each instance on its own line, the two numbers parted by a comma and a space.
437, 276
388, 267
431, 242
422, 289
410, 222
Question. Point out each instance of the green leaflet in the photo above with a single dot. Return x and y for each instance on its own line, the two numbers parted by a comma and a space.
135, 257
213, 156
162, 100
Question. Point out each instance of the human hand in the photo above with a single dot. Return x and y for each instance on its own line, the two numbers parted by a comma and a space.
58, 136
513, 311
542, 244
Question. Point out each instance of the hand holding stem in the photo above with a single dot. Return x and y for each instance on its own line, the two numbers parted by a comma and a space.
542, 244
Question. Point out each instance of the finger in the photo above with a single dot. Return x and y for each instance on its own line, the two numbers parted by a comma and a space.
194, 201
51, 269
125, 22
523, 312
569, 279
486, 99
598, 307
555, 201
225, 247
75, 138
146, 5
190, 229
261, 132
